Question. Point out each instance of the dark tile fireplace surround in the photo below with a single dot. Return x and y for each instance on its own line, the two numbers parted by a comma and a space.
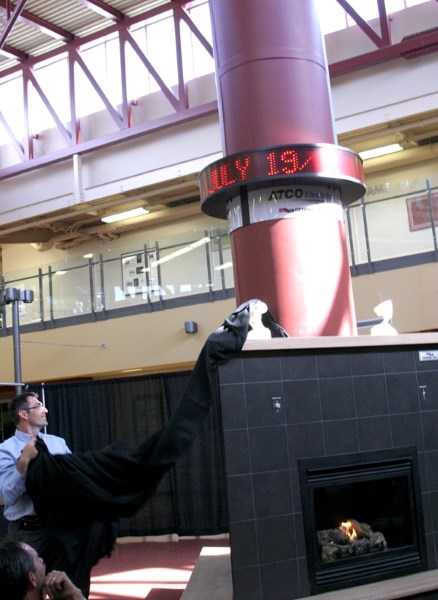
286, 402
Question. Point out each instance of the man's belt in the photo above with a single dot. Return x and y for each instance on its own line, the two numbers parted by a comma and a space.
30, 523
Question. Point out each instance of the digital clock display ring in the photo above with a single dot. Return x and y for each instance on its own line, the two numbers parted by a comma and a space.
316, 164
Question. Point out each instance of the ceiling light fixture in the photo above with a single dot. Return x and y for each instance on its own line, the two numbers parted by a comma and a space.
127, 214
375, 152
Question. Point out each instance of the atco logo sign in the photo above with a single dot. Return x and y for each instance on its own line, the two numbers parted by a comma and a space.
283, 203
301, 193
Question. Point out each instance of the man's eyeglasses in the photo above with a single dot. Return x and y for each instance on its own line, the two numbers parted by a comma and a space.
39, 405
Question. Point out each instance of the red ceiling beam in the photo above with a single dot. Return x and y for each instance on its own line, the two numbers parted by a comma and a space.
369, 31
384, 23
415, 45
121, 115
189, 115
42, 25
11, 18
127, 22
14, 53
423, 43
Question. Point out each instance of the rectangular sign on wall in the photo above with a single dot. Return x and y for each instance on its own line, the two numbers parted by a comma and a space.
425, 355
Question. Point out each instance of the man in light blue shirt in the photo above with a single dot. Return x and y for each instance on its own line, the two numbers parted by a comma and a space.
30, 417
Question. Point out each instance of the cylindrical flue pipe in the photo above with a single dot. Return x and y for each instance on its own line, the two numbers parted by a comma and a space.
271, 74
283, 180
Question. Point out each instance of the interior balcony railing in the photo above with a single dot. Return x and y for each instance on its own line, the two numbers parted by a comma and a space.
385, 232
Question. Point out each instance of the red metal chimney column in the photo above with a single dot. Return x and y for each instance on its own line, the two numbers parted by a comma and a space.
282, 181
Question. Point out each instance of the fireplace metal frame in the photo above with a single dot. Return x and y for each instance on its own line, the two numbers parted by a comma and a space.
343, 469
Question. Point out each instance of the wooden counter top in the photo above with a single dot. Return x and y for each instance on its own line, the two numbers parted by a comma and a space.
359, 341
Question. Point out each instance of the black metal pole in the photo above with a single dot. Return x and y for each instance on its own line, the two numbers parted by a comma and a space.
16, 342
14, 296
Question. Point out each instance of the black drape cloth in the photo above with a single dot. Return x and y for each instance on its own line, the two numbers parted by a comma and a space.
71, 492
191, 497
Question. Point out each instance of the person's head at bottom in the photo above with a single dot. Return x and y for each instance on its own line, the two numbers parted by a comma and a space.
23, 576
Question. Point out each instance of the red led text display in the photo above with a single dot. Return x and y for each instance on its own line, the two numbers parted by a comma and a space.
286, 162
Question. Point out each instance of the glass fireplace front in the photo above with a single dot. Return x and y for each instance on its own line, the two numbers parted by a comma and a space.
363, 518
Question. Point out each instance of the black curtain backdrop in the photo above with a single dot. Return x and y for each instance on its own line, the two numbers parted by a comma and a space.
191, 498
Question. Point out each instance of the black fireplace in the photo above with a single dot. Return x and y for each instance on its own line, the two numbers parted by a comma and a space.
363, 518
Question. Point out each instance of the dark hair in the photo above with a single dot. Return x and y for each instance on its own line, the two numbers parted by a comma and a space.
18, 403
15, 565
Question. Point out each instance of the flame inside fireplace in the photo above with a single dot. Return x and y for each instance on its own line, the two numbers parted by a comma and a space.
351, 538
348, 528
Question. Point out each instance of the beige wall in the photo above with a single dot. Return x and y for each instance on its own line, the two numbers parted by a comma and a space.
151, 341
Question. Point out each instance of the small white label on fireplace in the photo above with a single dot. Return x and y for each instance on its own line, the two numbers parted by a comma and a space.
428, 355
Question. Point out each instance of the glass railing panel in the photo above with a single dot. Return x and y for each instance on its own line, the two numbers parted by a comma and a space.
114, 294
125, 281
221, 260
356, 235
422, 214
182, 269
69, 290
402, 225
132, 278
181, 265
109, 292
